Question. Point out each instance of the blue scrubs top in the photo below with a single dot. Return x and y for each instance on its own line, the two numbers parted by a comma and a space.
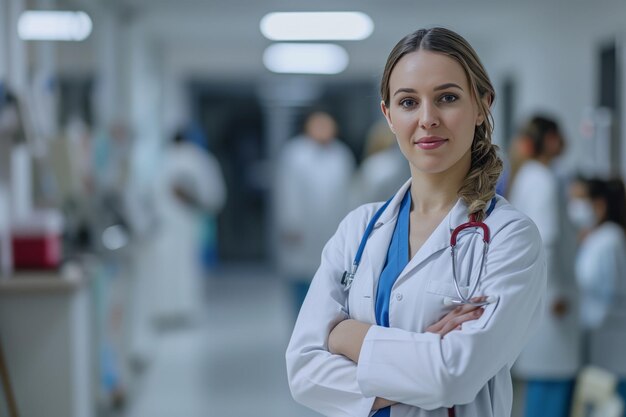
397, 259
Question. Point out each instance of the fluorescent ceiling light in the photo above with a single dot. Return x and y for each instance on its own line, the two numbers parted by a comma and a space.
317, 26
305, 58
54, 26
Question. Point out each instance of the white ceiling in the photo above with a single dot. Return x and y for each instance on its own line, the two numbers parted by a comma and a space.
222, 37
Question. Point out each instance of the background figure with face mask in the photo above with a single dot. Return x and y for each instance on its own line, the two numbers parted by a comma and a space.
550, 361
598, 207
190, 184
312, 195
384, 169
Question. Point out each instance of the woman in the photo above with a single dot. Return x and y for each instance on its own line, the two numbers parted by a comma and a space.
601, 275
551, 359
395, 342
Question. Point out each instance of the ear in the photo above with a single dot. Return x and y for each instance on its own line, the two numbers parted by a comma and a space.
387, 115
486, 99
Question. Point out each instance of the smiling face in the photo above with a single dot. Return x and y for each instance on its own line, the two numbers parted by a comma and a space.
432, 112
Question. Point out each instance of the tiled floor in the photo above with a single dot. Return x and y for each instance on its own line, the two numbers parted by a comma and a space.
232, 363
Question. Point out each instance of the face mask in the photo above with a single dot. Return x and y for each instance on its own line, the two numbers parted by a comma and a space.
581, 213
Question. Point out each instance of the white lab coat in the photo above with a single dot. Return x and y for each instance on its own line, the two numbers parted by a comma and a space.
312, 196
601, 275
177, 267
379, 176
469, 368
555, 349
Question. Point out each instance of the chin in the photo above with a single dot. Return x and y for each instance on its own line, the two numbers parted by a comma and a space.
433, 166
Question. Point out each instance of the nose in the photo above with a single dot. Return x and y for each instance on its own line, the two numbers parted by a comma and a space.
429, 117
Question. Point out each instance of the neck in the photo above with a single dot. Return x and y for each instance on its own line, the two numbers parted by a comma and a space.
434, 193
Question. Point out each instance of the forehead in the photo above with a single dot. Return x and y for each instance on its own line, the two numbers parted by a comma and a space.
426, 69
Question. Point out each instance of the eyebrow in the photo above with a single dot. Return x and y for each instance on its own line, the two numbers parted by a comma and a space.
438, 88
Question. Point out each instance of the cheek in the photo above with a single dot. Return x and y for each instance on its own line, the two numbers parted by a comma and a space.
404, 124
463, 125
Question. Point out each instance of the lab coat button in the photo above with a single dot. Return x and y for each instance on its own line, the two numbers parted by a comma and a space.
398, 296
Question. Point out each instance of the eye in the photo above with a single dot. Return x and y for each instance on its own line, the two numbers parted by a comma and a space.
408, 103
448, 98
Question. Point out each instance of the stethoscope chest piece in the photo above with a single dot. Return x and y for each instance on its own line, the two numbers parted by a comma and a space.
348, 277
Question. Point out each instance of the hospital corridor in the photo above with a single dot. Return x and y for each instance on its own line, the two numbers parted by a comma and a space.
230, 363
230, 208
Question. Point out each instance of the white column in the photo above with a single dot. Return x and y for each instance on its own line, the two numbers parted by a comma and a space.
110, 101
20, 188
17, 68
4, 57
43, 99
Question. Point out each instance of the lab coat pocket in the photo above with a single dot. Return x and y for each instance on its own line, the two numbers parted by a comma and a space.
434, 302
445, 289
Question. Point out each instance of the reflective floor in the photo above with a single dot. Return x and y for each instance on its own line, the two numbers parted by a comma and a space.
232, 363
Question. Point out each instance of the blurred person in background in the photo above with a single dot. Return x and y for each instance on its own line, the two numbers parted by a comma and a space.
521, 150
312, 195
383, 170
190, 184
404, 335
601, 273
551, 359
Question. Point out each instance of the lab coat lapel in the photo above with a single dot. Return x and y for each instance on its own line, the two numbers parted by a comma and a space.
375, 252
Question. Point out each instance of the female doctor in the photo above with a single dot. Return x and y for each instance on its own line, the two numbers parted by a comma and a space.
398, 339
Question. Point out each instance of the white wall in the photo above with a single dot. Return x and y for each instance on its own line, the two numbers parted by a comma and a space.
554, 62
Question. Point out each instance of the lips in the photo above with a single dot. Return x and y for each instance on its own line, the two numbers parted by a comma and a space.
431, 142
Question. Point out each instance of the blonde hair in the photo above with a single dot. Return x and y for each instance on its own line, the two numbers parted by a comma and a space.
379, 138
479, 186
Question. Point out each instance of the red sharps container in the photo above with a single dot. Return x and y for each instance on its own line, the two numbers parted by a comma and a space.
36, 240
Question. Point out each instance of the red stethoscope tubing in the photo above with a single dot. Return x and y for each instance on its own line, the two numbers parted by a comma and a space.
472, 223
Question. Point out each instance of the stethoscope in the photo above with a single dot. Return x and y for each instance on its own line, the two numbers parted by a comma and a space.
348, 277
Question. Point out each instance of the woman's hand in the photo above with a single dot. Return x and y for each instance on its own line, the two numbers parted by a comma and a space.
347, 338
381, 403
455, 319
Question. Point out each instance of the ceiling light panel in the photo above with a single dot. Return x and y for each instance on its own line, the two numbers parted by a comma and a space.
54, 25
305, 58
317, 26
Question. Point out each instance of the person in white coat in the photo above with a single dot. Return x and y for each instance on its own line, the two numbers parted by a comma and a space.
551, 360
393, 337
601, 274
190, 184
311, 196
383, 170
